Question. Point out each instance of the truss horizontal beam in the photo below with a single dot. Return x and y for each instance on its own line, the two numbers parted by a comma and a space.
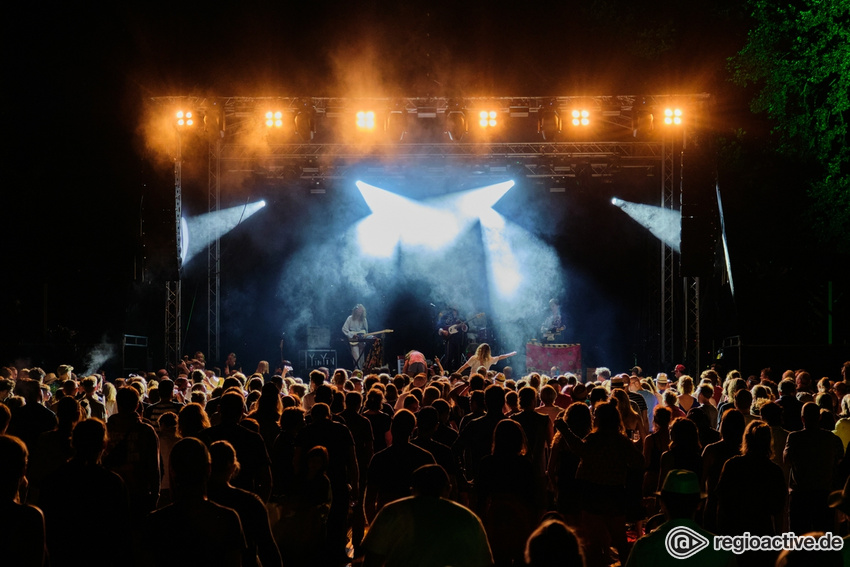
586, 150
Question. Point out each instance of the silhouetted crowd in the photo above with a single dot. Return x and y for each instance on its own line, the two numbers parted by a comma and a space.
204, 466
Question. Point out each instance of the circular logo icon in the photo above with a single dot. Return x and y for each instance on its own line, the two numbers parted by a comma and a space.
683, 542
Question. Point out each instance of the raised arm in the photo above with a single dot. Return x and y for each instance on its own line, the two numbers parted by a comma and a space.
504, 356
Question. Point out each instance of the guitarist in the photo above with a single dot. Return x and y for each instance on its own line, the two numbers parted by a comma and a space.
553, 326
453, 330
356, 326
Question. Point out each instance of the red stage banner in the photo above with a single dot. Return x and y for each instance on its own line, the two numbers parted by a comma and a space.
564, 357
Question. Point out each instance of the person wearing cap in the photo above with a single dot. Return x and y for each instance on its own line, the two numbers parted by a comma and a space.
661, 382
680, 496
679, 371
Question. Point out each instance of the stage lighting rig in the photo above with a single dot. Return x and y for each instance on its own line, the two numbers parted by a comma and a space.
673, 116
305, 120
274, 119
548, 122
396, 124
456, 125
488, 118
185, 119
581, 117
365, 120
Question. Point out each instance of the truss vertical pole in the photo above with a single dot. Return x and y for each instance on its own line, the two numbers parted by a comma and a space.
214, 254
667, 303
173, 288
691, 348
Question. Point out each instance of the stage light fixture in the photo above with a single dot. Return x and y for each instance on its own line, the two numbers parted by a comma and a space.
396, 125
456, 125
673, 116
274, 119
581, 117
305, 121
184, 119
366, 120
488, 118
642, 123
548, 123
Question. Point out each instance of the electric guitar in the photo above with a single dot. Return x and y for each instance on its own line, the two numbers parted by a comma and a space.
458, 327
363, 337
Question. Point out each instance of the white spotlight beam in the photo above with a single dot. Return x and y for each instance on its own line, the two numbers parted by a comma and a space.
396, 219
664, 224
203, 229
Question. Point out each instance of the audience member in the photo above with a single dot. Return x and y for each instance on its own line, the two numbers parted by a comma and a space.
813, 455
405, 532
261, 548
22, 538
193, 530
680, 497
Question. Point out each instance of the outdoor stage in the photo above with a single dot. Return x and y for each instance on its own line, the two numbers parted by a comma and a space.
287, 227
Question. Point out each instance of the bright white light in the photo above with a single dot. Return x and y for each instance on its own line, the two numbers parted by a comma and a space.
184, 239
505, 275
665, 224
617, 202
476, 202
395, 220
673, 116
441, 249
488, 118
366, 120
203, 229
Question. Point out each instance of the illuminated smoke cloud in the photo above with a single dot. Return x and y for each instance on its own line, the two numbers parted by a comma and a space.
665, 224
98, 356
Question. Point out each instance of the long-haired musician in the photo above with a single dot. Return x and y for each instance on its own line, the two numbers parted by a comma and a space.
356, 326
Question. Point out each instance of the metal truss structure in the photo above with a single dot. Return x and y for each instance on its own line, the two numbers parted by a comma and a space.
214, 254
637, 148
670, 192
173, 288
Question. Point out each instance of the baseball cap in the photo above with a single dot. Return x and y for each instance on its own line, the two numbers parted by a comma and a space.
681, 481
680, 368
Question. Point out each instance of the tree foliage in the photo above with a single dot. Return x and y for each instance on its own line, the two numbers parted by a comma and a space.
798, 54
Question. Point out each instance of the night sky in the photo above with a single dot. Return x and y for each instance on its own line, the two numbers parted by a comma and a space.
77, 180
